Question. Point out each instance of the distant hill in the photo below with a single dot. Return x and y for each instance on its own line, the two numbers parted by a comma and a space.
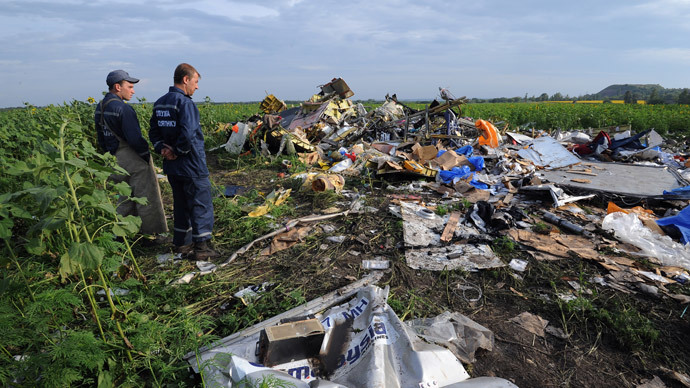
639, 91
612, 91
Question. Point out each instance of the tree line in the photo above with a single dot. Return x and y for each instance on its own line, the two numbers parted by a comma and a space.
655, 97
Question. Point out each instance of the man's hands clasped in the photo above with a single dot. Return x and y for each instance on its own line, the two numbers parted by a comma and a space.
168, 153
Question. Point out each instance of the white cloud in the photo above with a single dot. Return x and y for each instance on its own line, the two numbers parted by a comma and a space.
65, 61
138, 40
664, 13
671, 56
313, 67
119, 65
666, 8
28, 28
229, 9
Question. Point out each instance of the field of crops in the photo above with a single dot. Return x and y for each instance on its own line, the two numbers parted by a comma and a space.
58, 254
665, 119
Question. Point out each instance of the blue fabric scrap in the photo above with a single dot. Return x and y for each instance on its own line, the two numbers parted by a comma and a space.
680, 221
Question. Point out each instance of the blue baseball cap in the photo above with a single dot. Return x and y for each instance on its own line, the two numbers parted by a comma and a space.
116, 76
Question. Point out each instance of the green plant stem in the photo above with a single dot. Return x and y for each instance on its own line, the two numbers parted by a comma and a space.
105, 286
134, 260
18, 309
7, 352
409, 307
50, 340
92, 301
114, 311
21, 271
153, 372
72, 190
122, 334
201, 370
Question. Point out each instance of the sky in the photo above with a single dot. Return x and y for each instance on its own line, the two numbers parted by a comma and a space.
53, 52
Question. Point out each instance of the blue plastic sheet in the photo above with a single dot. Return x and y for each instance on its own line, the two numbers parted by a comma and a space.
466, 150
457, 173
477, 162
681, 191
680, 221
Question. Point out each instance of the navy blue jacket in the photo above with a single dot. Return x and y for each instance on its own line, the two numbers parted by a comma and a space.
175, 122
121, 119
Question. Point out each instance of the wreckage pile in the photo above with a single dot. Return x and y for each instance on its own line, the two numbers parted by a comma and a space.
496, 183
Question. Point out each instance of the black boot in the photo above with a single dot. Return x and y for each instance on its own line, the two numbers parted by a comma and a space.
203, 251
184, 250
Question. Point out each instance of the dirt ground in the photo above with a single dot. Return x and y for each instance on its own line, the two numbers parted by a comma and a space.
611, 340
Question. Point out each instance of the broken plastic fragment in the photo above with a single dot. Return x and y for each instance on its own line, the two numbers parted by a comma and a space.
518, 265
375, 264
489, 133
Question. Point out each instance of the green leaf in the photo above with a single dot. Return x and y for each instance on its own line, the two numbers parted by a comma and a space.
18, 168
6, 225
127, 226
67, 266
119, 170
77, 178
107, 207
19, 212
77, 163
119, 231
123, 188
5, 197
105, 380
35, 246
139, 200
88, 255
44, 195
131, 223
51, 223
101, 196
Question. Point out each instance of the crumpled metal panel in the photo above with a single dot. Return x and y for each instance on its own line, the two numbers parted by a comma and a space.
366, 345
306, 118
618, 178
546, 152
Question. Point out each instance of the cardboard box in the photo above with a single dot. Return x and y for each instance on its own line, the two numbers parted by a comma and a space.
290, 341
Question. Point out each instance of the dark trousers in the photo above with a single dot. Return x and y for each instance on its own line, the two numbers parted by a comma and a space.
192, 209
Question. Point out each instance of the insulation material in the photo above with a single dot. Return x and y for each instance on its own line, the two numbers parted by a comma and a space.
421, 227
464, 256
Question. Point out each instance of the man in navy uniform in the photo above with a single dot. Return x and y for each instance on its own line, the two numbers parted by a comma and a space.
176, 134
119, 133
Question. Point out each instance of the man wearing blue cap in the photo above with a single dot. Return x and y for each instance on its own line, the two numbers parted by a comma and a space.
119, 133
176, 134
